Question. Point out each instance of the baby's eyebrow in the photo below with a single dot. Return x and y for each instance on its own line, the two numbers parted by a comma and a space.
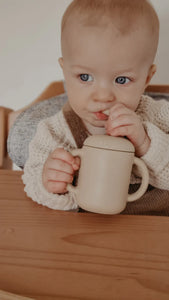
130, 70
81, 67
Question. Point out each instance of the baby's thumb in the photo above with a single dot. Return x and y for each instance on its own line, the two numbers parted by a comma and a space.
76, 163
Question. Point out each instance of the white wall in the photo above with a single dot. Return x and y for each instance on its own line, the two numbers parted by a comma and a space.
30, 47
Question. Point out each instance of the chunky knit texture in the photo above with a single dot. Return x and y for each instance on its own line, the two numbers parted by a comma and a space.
54, 132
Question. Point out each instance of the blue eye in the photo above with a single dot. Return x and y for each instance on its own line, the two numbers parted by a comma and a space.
122, 80
86, 77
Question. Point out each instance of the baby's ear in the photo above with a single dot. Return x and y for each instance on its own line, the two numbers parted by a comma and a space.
151, 72
60, 60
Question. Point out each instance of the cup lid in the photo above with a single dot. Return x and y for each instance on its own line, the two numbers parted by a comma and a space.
110, 143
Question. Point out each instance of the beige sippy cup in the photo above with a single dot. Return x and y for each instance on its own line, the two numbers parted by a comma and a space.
104, 175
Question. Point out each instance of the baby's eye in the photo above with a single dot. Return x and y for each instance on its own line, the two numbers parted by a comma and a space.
122, 80
86, 77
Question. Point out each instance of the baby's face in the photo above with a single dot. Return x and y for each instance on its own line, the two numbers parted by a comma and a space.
101, 68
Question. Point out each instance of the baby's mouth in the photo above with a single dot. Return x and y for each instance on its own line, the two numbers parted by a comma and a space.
106, 112
102, 115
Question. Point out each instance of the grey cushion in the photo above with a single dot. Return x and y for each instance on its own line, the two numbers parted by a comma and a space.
25, 125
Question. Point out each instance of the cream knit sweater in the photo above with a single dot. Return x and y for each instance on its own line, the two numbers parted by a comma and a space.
54, 132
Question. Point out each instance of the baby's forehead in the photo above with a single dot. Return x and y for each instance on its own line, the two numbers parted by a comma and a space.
79, 35
123, 25
105, 25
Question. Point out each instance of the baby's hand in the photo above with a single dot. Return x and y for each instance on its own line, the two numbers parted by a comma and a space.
125, 122
58, 171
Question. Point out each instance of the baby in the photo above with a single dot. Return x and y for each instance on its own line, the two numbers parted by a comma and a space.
108, 50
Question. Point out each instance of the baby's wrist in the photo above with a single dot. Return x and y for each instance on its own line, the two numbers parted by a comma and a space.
143, 148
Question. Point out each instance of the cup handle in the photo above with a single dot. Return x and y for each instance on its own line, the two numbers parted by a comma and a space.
74, 152
145, 180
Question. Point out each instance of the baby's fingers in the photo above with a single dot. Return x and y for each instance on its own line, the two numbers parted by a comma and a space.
120, 131
54, 175
60, 165
56, 181
65, 156
56, 187
117, 110
122, 120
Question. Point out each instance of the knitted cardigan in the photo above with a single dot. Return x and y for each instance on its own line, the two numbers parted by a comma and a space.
65, 129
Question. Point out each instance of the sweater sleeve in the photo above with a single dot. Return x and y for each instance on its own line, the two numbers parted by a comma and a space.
51, 133
155, 116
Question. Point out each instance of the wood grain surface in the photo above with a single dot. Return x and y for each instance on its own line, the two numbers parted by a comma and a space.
10, 296
47, 254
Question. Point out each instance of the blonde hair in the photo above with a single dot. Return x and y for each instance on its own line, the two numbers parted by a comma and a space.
126, 15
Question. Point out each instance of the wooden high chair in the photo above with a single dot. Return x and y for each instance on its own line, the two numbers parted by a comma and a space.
8, 116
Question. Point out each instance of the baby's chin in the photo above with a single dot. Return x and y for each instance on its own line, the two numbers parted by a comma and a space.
95, 127
95, 123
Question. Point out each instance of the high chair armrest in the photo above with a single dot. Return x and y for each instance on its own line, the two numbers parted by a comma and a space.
52, 90
3, 134
158, 88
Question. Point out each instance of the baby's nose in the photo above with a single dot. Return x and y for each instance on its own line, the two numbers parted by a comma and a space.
104, 95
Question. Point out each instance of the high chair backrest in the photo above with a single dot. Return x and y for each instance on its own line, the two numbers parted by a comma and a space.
8, 116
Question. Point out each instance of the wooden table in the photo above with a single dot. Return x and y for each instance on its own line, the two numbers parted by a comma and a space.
47, 255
